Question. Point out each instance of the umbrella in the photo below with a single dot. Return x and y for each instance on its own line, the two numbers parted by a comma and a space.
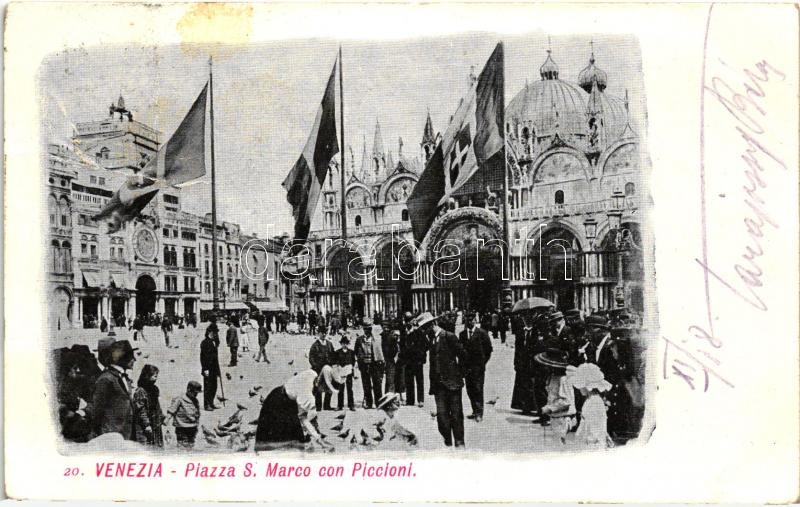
531, 303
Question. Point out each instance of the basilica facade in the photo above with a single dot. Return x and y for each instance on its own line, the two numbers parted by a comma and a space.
575, 224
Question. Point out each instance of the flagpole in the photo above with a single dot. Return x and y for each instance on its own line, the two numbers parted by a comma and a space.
214, 274
341, 130
507, 294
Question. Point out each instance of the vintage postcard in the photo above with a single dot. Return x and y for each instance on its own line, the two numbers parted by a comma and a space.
441, 252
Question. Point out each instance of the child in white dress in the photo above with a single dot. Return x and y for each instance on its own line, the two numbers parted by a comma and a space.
593, 430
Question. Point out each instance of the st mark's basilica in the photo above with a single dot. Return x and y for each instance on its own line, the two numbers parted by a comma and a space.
574, 214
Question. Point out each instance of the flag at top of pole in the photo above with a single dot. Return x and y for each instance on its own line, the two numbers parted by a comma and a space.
305, 180
474, 140
179, 161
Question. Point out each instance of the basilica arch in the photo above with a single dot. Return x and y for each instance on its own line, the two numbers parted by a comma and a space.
465, 260
145, 295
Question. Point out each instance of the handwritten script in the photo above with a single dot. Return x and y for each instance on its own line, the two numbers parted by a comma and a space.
741, 92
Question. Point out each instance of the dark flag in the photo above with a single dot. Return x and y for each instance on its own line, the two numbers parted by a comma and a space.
306, 178
424, 199
476, 133
180, 160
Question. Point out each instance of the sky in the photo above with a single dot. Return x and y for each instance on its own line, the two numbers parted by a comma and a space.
266, 97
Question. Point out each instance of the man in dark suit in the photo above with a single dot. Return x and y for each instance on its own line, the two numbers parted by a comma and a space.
232, 339
478, 350
446, 378
390, 341
112, 402
414, 352
321, 354
209, 365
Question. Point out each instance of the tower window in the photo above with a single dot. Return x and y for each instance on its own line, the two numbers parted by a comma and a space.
630, 188
559, 197
405, 215
358, 220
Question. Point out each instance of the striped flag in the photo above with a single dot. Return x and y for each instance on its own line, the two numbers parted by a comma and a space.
305, 180
424, 199
180, 160
474, 140
476, 133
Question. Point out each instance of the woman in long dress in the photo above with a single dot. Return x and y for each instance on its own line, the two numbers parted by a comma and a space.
288, 414
148, 416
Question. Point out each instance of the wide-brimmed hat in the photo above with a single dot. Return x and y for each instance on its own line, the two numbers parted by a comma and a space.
424, 318
555, 316
194, 386
574, 312
597, 321
553, 358
588, 376
386, 399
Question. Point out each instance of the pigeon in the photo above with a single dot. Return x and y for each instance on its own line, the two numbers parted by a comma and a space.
171, 360
256, 388
251, 393
364, 435
222, 399
146, 356
378, 438
340, 416
228, 376
493, 401
240, 406
338, 427
291, 362
139, 353
212, 441
208, 434
241, 377
345, 434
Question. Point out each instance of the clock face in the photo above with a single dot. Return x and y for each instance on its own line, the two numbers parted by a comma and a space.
144, 243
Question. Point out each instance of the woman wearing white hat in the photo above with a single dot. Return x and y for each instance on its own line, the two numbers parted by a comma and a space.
288, 414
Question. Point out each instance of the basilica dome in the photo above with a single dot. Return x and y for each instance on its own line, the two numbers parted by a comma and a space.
548, 105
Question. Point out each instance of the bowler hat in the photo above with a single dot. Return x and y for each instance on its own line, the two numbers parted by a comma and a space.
121, 350
555, 316
194, 385
572, 313
597, 321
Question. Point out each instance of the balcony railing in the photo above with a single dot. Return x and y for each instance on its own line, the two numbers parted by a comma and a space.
560, 210
363, 230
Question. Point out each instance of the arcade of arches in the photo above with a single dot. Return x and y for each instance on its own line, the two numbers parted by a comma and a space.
461, 272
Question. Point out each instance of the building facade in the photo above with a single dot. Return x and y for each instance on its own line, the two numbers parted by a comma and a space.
157, 264
574, 214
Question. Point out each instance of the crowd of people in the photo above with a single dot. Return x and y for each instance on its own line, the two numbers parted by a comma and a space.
575, 373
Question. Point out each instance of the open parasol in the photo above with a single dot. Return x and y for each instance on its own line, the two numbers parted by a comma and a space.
532, 303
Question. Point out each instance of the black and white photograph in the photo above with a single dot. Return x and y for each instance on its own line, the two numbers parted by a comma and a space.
408, 245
